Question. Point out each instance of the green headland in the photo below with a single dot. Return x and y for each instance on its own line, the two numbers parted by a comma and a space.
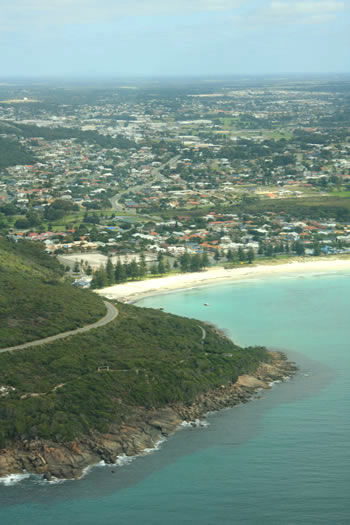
88, 397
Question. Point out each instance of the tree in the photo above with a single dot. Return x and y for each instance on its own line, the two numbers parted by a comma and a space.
99, 279
53, 214
299, 248
154, 269
250, 255
185, 261
110, 271
93, 234
195, 264
22, 224
269, 250
167, 266
317, 249
133, 270
161, 267
241, 254
142, 265
9, 209
217, 255
33, 218
204, 260
119, 272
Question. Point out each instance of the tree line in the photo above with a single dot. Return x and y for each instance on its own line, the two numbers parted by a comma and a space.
132, 270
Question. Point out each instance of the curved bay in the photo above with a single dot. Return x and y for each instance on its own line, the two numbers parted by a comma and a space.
283, 458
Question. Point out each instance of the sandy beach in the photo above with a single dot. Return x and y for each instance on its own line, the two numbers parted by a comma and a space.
133, 291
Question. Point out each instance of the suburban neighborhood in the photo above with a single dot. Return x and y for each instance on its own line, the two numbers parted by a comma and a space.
227, 173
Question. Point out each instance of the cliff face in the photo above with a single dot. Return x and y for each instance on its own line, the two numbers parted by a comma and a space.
142, 431
68, 460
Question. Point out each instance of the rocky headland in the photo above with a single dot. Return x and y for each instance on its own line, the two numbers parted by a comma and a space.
142, 431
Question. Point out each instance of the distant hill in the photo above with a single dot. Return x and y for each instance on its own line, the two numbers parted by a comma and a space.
35, 302
13, 153
63, 133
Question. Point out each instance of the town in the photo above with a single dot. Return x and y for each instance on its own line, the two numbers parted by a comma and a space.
141, 179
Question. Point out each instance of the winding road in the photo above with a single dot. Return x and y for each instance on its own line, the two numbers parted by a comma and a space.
204, 333
111, 314
156, 177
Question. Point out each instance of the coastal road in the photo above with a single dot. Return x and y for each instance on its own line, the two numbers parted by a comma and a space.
112, 313
204, 333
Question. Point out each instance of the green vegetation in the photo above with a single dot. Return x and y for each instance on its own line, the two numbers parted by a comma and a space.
59, 392
92, 137
13, 153
131, 271
345, 193
35, 302
154, 359
311, 207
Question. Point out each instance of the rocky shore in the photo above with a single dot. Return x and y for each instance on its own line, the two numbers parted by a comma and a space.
144, 429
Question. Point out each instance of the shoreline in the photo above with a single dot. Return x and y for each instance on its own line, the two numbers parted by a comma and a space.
132, 292
142, 434
146, 428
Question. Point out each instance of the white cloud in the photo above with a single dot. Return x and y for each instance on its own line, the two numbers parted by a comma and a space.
103, 10
309, 7
304, 12
322, 18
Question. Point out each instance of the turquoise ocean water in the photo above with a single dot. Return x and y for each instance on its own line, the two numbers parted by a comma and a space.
282, 459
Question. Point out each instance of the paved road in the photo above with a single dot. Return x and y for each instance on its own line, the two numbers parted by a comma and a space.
111, 314
204, 333
156, 176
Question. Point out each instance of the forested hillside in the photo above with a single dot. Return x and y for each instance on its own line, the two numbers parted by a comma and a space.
13, 153
35, 302
154, 359
144, 359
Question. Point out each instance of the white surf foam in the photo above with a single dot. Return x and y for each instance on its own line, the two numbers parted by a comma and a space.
13, 479
123, 460
39, 480
196, 423
156, 446
275, 382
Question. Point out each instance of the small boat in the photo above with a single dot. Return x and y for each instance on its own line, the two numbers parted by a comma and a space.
206, 304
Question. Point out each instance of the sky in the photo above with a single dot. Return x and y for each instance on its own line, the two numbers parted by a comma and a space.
152, 38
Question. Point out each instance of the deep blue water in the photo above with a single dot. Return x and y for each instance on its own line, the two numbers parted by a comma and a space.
283, 459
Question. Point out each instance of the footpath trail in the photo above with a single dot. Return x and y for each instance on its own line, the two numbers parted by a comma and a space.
111, 314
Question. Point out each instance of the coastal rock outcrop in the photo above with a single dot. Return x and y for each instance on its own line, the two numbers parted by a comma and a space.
141, 432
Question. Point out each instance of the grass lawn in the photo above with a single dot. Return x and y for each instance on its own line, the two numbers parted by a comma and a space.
340, 193
278, 135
